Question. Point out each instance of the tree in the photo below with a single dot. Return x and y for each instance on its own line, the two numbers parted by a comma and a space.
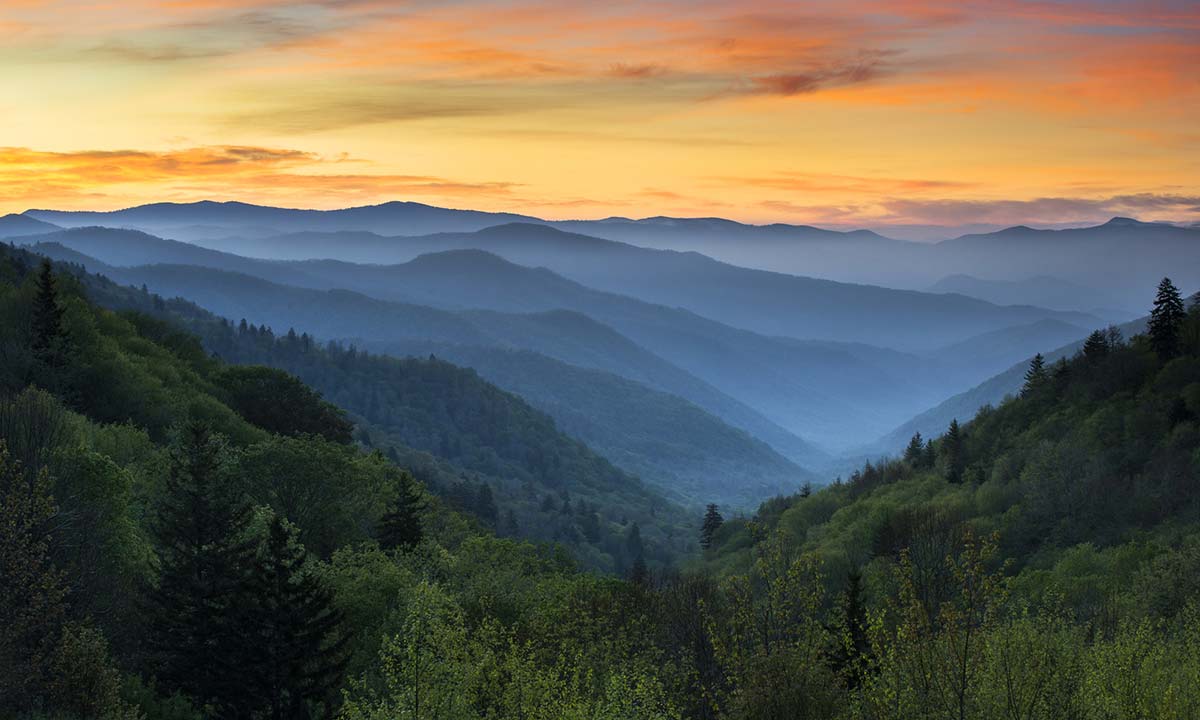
401, 526
47, 315
205, 556
32, 603
952, 452
635, 554
300, 652
852, 653
712, 523
1165, 320
1035, 376
912, 453
1096, 346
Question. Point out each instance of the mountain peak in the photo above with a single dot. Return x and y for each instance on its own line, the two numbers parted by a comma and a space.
1119, 221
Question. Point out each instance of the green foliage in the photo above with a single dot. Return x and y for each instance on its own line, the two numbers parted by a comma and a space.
280, 403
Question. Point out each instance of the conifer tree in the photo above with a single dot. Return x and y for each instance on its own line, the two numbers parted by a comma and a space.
299, 650
929, 455
47, 315
806, 489
952, 451
1035, 376
635, 554
1165, 320
912, 453
1096, 346
197, 636
712, 523
852, 654
401, 526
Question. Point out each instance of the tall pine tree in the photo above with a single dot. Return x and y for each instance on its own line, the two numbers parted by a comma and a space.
1096, 346
1035, 376
400, 527
712, 523
46, 320
1165, 320
299, 648
953, 452
197, 638
912, 453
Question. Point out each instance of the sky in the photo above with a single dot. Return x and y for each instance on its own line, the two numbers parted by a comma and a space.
832, 113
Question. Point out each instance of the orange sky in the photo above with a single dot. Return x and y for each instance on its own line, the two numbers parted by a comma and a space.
827, 112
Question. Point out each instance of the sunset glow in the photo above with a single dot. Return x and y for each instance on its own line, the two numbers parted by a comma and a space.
837, 113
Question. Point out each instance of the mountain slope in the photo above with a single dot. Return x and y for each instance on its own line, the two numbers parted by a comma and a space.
989, 392
14, 225
671, 443
404, 406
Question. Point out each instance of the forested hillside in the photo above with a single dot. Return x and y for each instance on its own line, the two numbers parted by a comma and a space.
190, 539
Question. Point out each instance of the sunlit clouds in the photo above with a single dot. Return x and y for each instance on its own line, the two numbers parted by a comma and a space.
822, 112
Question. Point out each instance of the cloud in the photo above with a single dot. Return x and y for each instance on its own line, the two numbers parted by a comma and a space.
207, 172
637, 71
867, 66
844, 184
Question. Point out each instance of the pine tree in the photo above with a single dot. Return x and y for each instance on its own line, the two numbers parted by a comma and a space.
712, 523
401, 527
912, 453
952, 451
1165, 320
635, 554
928, 455
1096, 346
485, 505
197, 639
299, 650
852, 655
1035, 376
47, 315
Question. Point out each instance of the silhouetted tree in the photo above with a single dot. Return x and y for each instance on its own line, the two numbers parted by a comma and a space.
1165, 319
712, 523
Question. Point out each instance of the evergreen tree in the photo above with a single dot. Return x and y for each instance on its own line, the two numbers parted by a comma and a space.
912, 453
197, 637
952, 452
485, 505
1096, 346
401, 526
635, 555
1035, 376
47, 315
928, 455
806, 489
712, 523
852, 655
1165, 320
299, 650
